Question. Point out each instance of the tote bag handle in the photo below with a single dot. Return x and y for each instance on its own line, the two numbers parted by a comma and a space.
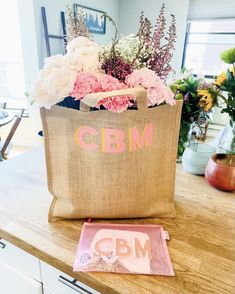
91, 100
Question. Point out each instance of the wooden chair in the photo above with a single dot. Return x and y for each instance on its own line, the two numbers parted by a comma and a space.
3, 148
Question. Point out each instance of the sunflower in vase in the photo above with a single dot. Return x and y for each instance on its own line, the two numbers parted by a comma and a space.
221, 92
186, 88
220, 169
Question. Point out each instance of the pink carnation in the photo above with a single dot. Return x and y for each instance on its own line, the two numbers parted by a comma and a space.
142, 77
85, 83
154, 96
157, 92
116, 104
169, 95
109, 83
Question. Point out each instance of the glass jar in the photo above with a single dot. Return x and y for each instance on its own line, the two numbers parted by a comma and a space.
227, 140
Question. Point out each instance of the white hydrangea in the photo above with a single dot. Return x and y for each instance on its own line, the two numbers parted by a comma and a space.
79, 42
56, 79
54, 85
84, 59
54, 61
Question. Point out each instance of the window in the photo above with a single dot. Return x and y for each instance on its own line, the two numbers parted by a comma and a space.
204, 42
12, 83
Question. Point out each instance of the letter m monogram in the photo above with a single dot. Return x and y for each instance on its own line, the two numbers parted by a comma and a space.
140, 141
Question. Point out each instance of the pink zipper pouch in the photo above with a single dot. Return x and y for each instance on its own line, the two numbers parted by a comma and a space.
123, 248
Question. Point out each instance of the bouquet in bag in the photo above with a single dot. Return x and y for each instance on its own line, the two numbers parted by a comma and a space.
137, 60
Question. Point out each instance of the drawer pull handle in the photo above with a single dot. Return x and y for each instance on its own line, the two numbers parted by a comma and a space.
73, 285
2, 245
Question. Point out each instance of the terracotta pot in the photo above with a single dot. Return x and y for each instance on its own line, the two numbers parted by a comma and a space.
220, 172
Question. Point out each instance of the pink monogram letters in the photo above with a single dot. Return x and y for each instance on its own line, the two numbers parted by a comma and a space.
123, 248
114, 140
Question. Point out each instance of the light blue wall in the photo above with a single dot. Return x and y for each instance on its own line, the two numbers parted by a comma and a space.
129, 14
53, 9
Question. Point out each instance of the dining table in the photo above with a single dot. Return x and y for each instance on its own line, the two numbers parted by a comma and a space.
6, 117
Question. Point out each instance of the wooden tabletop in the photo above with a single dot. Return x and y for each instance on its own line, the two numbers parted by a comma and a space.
202, 245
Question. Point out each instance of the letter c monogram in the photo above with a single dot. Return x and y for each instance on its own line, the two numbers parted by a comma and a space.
83, 131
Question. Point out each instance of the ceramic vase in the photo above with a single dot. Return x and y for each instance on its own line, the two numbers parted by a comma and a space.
196, 157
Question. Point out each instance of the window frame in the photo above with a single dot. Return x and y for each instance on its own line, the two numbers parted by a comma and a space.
187, 34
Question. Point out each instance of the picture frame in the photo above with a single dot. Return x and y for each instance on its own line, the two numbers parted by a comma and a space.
95, 22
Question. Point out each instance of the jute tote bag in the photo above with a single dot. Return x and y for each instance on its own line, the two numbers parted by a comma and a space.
106, 165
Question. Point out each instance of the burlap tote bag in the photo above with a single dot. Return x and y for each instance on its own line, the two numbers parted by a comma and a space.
106, 165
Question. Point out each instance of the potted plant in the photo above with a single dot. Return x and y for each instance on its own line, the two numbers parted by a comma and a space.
220, 171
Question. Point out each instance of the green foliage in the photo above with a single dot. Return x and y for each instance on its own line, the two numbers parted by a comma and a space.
228, 87
186, 89
228, 56
183, 137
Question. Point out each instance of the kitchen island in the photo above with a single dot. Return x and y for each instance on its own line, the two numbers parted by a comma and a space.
202, 245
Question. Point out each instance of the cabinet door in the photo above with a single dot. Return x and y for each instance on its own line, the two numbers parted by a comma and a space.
61, 283
12, 281
20, 260
48, 291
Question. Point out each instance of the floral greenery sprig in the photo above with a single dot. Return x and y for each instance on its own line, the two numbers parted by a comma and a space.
143, 49
76, 24
115, 38
144, 36
112, 63
160, 60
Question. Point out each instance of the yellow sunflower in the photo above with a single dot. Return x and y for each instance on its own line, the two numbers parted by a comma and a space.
207, 99
220, 79
232, 70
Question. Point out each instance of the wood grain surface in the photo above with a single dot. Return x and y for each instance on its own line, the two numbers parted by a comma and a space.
202, 245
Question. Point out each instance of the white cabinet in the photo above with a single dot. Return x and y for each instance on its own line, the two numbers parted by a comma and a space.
12, 281
47, 291
20, 260
19, 271
61, 283
22, 273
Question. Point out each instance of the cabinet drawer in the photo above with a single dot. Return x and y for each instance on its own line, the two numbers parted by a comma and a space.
48, 291
61, 283
20, 260
12, 281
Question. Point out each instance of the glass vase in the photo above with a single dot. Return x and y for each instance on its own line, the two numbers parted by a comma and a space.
227, 140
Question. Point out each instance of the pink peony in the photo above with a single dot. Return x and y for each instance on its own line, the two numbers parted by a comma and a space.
85, 83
